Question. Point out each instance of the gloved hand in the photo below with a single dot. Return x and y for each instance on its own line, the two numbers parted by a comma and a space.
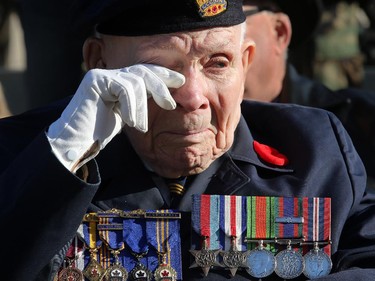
105, 101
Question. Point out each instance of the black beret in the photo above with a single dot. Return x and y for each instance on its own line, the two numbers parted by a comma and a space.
149, 17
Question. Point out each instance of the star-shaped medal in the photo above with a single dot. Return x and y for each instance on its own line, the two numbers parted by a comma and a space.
205, 259
233, 259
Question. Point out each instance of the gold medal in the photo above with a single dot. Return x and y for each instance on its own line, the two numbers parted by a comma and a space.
93, 271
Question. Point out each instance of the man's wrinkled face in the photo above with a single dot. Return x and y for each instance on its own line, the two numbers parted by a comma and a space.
187, 140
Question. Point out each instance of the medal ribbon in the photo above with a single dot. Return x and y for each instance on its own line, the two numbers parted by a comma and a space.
232, 220
110, 232
134, 234
75, 253
89, 234
317, 217
164, 235
205, 218
260, 217
290, 210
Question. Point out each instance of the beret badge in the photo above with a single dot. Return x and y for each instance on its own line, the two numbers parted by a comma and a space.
209, 8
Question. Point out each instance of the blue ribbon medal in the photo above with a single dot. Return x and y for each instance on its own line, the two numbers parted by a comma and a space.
135, 238
164, 236
110, 230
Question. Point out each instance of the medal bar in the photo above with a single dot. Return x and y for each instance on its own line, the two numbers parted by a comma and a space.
136, 214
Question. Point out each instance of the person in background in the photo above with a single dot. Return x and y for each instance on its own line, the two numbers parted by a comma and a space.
281, 27
163, 100
339, 60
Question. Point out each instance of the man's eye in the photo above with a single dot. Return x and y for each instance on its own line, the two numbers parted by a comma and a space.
221, 64
218, 62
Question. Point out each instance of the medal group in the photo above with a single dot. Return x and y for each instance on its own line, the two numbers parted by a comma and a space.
255, 234
119, 246
262, 235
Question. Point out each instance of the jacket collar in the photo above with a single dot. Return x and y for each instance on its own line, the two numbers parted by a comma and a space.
243, 150
225, 175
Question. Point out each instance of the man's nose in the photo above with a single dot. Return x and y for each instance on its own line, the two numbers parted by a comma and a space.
193, 94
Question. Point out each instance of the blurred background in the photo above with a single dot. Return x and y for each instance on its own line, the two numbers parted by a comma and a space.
40, 54
41, 60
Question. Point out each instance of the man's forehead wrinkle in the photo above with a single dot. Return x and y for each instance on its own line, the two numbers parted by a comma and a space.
157, 43
189, 42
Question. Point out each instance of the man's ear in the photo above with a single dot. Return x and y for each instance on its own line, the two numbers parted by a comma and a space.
93, 50
283, 29
248, 54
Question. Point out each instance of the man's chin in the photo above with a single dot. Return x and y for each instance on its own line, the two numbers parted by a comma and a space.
175, 169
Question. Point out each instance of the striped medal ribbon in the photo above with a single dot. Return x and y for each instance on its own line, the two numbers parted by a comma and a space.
288, 229
93, 270
317, 232
110, 229
288, 218
205, 222
72, 271
163, 234
233, 224
260, 221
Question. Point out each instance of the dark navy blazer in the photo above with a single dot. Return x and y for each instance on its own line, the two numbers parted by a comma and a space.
42, 203
354, 107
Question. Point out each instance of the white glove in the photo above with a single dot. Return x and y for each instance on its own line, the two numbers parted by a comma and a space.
105, 101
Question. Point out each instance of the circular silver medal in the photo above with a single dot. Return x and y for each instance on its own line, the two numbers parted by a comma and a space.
289, 264
260, 262
317, 264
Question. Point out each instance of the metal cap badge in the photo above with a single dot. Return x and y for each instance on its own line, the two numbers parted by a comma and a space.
209, 8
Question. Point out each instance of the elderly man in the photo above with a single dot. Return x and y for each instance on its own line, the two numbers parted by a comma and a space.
162, 100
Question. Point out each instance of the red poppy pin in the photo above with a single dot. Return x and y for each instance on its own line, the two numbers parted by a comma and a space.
270, 154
